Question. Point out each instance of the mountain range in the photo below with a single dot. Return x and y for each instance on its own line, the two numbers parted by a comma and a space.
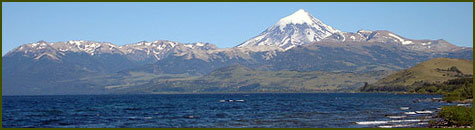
298, 43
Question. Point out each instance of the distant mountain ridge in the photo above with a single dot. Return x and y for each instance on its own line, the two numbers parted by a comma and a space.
384, 36
138, 51
298, 42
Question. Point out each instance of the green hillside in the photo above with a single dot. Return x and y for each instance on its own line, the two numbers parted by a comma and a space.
238, 78
434, 71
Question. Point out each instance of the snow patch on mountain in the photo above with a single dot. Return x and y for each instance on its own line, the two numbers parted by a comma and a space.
404, 42
296, 29
156, 49
299, 17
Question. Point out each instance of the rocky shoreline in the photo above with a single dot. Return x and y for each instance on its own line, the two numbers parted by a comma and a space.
445, 124
442, 123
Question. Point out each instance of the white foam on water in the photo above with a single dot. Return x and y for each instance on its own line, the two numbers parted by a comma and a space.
396, 117
404, 108
385, 126
410, 113
239, 100
424, 112
423, 123
393, 126
371, 122
413, 120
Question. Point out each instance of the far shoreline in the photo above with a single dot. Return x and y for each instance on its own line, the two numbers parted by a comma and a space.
197, 93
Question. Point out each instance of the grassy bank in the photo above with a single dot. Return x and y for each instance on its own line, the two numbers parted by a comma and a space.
454, 117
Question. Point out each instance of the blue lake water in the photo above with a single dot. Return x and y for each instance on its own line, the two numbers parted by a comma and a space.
276, 110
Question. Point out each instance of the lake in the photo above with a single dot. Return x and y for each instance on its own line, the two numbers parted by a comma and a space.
275, 110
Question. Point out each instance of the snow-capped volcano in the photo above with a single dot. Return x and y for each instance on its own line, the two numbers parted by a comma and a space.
296, 29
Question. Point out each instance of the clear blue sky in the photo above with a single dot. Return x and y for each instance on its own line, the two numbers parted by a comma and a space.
223, 24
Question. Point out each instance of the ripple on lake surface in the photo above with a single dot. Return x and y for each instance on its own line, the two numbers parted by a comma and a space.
318, 110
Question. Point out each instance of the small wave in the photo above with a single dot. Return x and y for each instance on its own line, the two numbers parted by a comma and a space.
371, 122
410, 113
239, 100
393, 126
404, 108
423, 123
396, 117
385, 122
397, 121
424, 112
133, 118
